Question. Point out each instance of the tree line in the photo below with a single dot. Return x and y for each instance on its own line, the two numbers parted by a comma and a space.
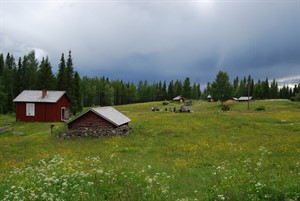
29, 74
222, 89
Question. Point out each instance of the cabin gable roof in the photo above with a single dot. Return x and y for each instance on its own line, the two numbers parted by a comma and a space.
109, 114
35, 96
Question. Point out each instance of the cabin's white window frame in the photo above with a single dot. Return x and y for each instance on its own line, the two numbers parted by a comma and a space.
30, 109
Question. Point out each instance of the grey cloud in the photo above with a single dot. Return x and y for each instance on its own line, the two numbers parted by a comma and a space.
159, 40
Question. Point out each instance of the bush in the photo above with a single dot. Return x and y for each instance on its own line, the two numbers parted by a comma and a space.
225, 108
260, 108
165, 103
58, 129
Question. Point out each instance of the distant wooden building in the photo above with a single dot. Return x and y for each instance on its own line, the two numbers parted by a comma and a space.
179, 98
99, 117
244, 98
42, 106
209, 98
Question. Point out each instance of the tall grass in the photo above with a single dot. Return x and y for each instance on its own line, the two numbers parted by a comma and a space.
205, 155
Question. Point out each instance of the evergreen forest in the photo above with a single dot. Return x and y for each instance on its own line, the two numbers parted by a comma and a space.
27, 73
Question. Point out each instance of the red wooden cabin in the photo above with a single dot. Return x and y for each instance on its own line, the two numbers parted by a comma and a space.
42, 106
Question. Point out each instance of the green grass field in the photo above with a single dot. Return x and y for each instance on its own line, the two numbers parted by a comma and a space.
204, 155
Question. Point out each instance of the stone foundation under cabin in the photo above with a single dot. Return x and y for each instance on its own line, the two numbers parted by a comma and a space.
96, 132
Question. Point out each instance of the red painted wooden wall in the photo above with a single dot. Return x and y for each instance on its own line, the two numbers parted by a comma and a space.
44, 112
89, 119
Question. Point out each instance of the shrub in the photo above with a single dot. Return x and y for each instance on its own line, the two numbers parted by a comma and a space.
293, 98
58, 129
225, 108
165, 103
260, 108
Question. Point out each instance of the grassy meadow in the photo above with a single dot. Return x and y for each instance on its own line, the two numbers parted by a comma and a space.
204, 155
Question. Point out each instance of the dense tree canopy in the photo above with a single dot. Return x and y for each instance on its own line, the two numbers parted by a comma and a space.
221, 87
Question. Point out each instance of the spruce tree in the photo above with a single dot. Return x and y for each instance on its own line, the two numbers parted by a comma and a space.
61, 76
266, 89
19, 86
199, 90
178, 88
1, 64
186, 91
9, 74
170, 90
164, 91
77, 94
274, 89
236, 87
45, 78
2, 97
194, 93
70, 76
70, 83
243, 87
258, 91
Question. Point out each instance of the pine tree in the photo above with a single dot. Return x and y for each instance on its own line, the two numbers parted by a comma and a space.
61, 76
236, 87
2, 93
178, 88
257, 93
195, 91
164, 91
1, 64
2, 97
186, 91
170, 90
45, 78
266, 89
69, 72
295, 90
77, 94
8, 79
70, 75
274, 89
243, 87
199, 90
19, 86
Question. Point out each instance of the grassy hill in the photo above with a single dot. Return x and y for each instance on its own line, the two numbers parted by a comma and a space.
204, 155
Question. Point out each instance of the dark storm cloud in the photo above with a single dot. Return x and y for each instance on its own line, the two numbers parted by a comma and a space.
159, 40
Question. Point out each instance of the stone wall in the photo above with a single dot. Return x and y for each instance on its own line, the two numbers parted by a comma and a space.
96, 132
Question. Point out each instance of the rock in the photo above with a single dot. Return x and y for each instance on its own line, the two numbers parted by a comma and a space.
96, 132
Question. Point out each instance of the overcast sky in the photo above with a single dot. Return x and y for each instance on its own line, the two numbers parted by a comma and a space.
159, 40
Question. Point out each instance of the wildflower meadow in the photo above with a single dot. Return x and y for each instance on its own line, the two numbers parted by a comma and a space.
204, 155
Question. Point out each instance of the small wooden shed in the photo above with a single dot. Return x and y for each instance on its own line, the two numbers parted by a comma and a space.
42, 106
99, 117
245, 98
209, 98
179, 98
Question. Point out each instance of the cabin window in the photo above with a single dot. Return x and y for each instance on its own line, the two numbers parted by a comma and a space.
30, 110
